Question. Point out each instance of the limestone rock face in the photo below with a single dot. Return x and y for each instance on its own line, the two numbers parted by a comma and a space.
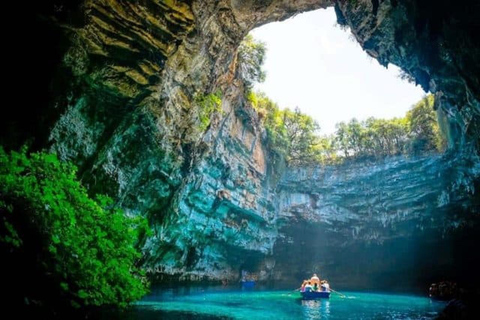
131, 122
222, 214
370, 224
119, 85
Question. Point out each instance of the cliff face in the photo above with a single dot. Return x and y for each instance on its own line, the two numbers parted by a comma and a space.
123, 84
392, 224
222, 214
131, 121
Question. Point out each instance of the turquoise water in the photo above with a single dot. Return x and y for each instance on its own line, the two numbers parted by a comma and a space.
228, 304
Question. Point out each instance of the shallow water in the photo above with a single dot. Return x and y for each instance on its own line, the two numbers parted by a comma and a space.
235, 304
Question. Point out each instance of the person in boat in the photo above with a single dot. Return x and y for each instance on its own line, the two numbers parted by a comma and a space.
325, 286
315, 287
308, 287
302, 287
315, 279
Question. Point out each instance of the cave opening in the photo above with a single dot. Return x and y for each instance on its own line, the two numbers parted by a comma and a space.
155, 105
314, 63
364, 229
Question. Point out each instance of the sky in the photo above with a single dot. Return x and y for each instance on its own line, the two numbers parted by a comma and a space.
315, 65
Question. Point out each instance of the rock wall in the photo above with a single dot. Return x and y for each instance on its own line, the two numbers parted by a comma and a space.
395, 224
435, 43
128, 115
116, 86
223, 212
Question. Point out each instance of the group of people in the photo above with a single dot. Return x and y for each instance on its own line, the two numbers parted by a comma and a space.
315, 284
444, 290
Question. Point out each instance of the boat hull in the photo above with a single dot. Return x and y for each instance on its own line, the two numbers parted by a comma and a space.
315, 295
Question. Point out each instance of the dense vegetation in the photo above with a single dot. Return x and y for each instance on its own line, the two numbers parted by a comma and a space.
61, 246
295, 136
416, 133
291, 135
251, 56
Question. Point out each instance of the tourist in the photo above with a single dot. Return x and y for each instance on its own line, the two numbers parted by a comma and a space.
315, 279
325, 286
304, 283
308, 287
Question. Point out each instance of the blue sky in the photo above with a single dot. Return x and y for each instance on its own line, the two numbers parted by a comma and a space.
313, 64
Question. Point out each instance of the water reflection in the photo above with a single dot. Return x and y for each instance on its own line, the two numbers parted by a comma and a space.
315, 309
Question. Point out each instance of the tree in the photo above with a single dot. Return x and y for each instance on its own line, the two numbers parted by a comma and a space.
424, 127
356, 136
342, 139
302, 137
386, 137
294, 136
251, 56
58, 243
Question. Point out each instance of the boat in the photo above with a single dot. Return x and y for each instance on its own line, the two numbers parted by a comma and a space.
313, 295
248, 284
310, 292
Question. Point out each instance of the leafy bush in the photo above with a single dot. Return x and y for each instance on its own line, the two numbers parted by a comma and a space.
295, 136
61, 245
207, 105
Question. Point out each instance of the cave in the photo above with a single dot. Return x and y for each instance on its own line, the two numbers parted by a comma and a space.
114, 87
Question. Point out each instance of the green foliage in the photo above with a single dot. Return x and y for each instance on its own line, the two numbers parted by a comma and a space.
251, 56
277, 139
416, 133
301, 136
291, 135
374, 137
426, 135
83, 249
207, 105
294, 136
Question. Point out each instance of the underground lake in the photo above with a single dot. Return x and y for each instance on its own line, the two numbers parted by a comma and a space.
227, 159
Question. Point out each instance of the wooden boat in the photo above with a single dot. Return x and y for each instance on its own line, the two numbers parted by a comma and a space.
312, 295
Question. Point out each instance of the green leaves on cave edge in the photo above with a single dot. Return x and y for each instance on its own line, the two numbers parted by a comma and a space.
207, 105
295, 137
416, 133
251, 57
84, 247
291, 135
